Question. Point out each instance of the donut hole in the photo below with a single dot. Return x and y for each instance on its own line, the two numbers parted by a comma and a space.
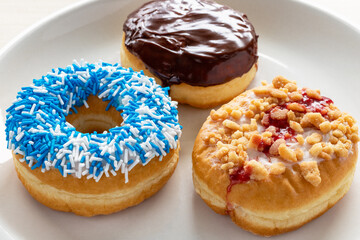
91, 125
95, 118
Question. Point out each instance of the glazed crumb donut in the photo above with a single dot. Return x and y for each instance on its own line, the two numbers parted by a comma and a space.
275, 157
74, 152
197, 47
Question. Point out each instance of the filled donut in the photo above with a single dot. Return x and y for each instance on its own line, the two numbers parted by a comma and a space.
197, 47
275, 157
93, 138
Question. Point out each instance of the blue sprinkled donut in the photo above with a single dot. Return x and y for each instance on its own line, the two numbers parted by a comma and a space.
37, 130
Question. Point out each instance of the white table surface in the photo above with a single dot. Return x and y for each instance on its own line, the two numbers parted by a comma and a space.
17, 15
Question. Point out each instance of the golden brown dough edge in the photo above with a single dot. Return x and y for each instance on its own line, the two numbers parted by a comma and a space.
86, 197
200, 97
271, 224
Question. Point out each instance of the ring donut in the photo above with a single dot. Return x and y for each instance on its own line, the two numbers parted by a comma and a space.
275, 157
201, 48
93, 138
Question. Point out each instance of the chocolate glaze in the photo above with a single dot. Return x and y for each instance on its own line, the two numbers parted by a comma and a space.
197, 42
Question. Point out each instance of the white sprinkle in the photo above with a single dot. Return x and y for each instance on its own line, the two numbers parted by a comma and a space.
47, 165
87, 161
18, 151
84, 146
126, 176
31, 162
107, 166
93, 158
75, 152
150, 155
65, 171
134, 164
19, 107
86, 104
116, 91
69, 125
60, 99
82, 78
57, 128
113, 172
71, 158
166, 111
79, 153
70, 102
104, 93
60, 154
19, 136
115, 81
104, 150
68, 142
131, 139
40, 90
123, 167
126, 155
11, 134
76, 63
98, 177
38, 117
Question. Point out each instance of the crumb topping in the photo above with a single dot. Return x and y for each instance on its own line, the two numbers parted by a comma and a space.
276, 126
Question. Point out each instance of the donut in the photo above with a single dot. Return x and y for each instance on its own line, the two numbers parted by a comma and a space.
93, 138
197, 47
275, 157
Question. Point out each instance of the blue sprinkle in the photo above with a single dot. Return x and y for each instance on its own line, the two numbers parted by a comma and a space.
129, 146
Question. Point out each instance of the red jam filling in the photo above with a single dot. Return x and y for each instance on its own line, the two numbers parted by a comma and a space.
315, 105
282, 131
240, 175
282, 128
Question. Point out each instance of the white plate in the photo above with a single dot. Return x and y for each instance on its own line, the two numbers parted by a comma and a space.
296, 40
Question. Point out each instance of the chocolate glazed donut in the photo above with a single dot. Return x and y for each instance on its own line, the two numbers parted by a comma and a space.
205, 52
200, 43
